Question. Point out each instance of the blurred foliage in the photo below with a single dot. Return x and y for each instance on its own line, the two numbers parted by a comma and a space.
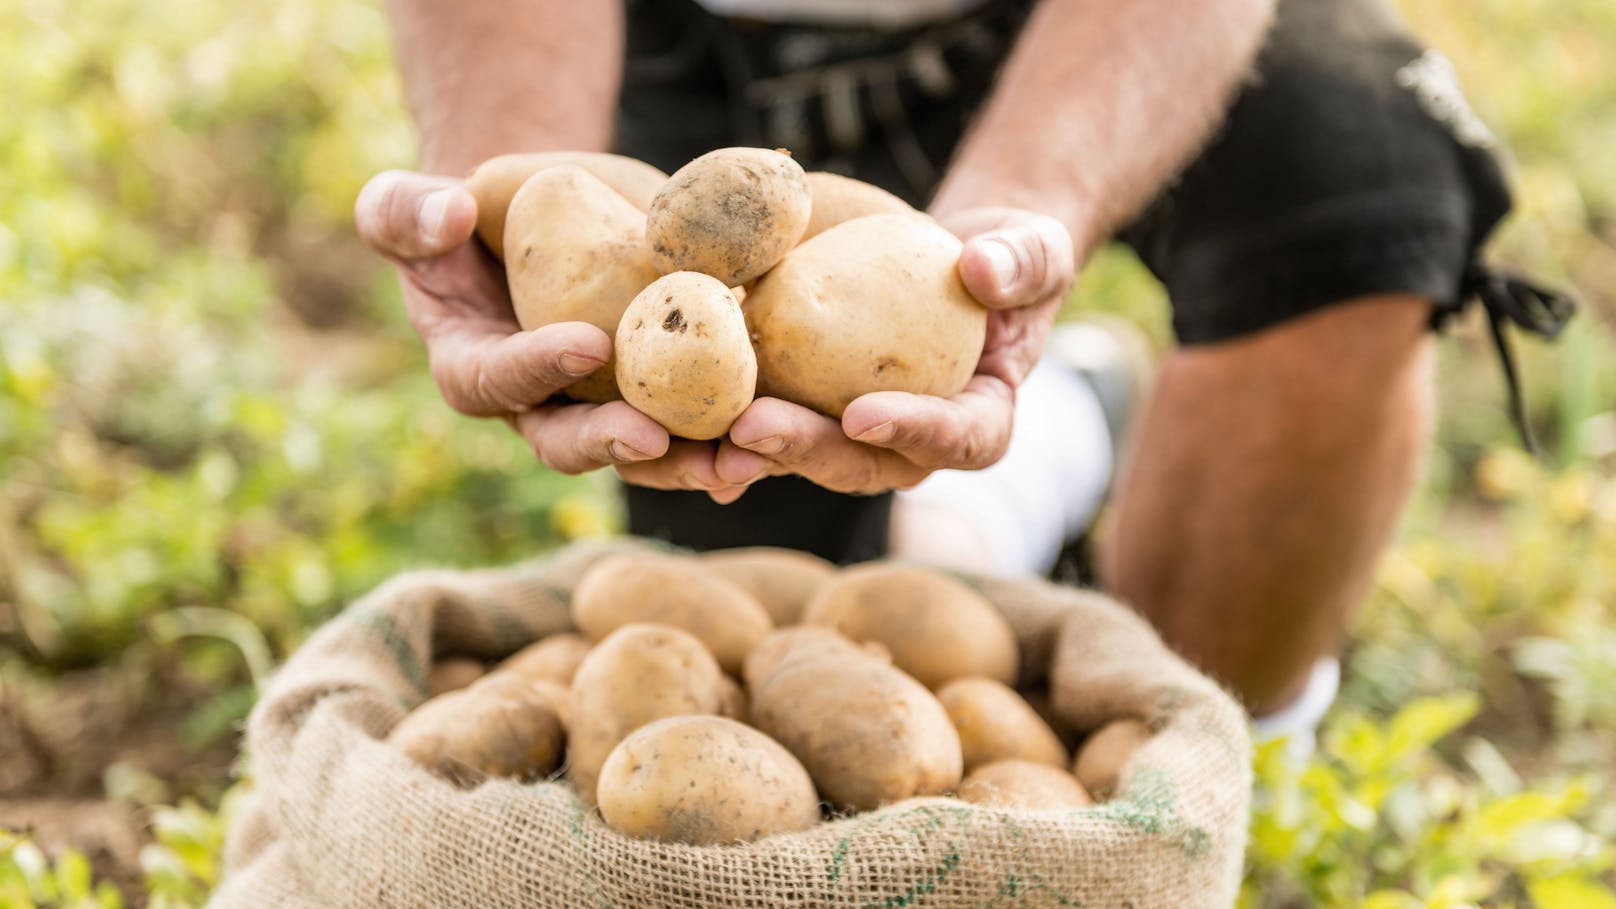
209, 400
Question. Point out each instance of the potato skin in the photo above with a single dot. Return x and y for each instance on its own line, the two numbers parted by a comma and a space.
575, 251
872, 304
705, 781
652, 587
867, 733
683, 355
639, 673
500, 726
782, 580
1023, 784
452, 674
995, 724
556, 658
731, 213
495, 181
1104, 755
838, 198
936, 627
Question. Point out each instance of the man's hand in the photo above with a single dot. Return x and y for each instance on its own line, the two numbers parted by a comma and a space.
1016, 263
484, 363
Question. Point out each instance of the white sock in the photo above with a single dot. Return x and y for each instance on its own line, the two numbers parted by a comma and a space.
1299, 720
1012, 518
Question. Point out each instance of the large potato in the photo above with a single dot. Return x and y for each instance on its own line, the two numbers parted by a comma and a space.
731, 214
1023, 784
995, 724
872, 304
705, 781
640, 673
797, 641
683, 357
937, 628
838, 198
495, 181
555, 658
1105, 754
500, 726
670, 590
575, 251
867, 733
782, 580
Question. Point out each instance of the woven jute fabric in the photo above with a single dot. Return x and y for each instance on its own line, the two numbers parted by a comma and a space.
337, 818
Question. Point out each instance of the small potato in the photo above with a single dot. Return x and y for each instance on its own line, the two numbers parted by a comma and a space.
867, 733
451, 674
937, 628
496, 180
731, 214
555, 658
1023, 784
704, 781
501, 726
782, 580
872, 304
838, 198
639, 673
683, 356
575, 251
995, 724
670, 590
1105, 754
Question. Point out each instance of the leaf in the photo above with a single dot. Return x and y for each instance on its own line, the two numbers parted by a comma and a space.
1570, 892
1425, 721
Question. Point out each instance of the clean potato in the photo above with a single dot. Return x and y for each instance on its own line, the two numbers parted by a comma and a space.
731, 214
575, 252
704, 781
683, 356
837, 198
872, 304
495, 181
867, 733
555, 658
937, 628
670, 590
1023, 784
501, 726
453, 673
995, 724
782, 580
798, 641
1105, 754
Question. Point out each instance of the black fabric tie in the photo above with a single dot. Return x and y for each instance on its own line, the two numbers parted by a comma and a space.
1537, 310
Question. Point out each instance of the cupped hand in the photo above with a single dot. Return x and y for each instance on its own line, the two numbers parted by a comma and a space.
1016, 263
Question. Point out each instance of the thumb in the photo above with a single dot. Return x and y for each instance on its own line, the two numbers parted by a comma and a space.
405, 215
1020, 263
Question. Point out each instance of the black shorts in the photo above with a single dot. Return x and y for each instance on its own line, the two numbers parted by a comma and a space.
1349, 166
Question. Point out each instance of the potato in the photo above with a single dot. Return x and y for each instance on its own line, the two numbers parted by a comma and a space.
556, 658
683, 357
652, 587
838, 198
575, 251
1039, 700
790, 643
731, 213
995, 724
451, 674
867, 733
782, 580
705, 781
640, 673
872, 304
500, 726
496, 180
1023, 784
1105, 754
937, 628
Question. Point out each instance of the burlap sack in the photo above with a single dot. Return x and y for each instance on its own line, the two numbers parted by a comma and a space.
339, 818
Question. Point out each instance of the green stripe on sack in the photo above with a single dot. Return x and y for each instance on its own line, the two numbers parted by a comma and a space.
1149, 805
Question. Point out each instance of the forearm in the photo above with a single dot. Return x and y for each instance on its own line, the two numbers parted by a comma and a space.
1101, 103
484, 77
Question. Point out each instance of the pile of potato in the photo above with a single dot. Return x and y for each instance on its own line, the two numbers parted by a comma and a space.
740, 275
729, 696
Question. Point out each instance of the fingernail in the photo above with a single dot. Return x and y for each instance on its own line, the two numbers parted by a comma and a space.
434, 208
768, 445
580, 364
881, 432
1002, 261
622, 451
